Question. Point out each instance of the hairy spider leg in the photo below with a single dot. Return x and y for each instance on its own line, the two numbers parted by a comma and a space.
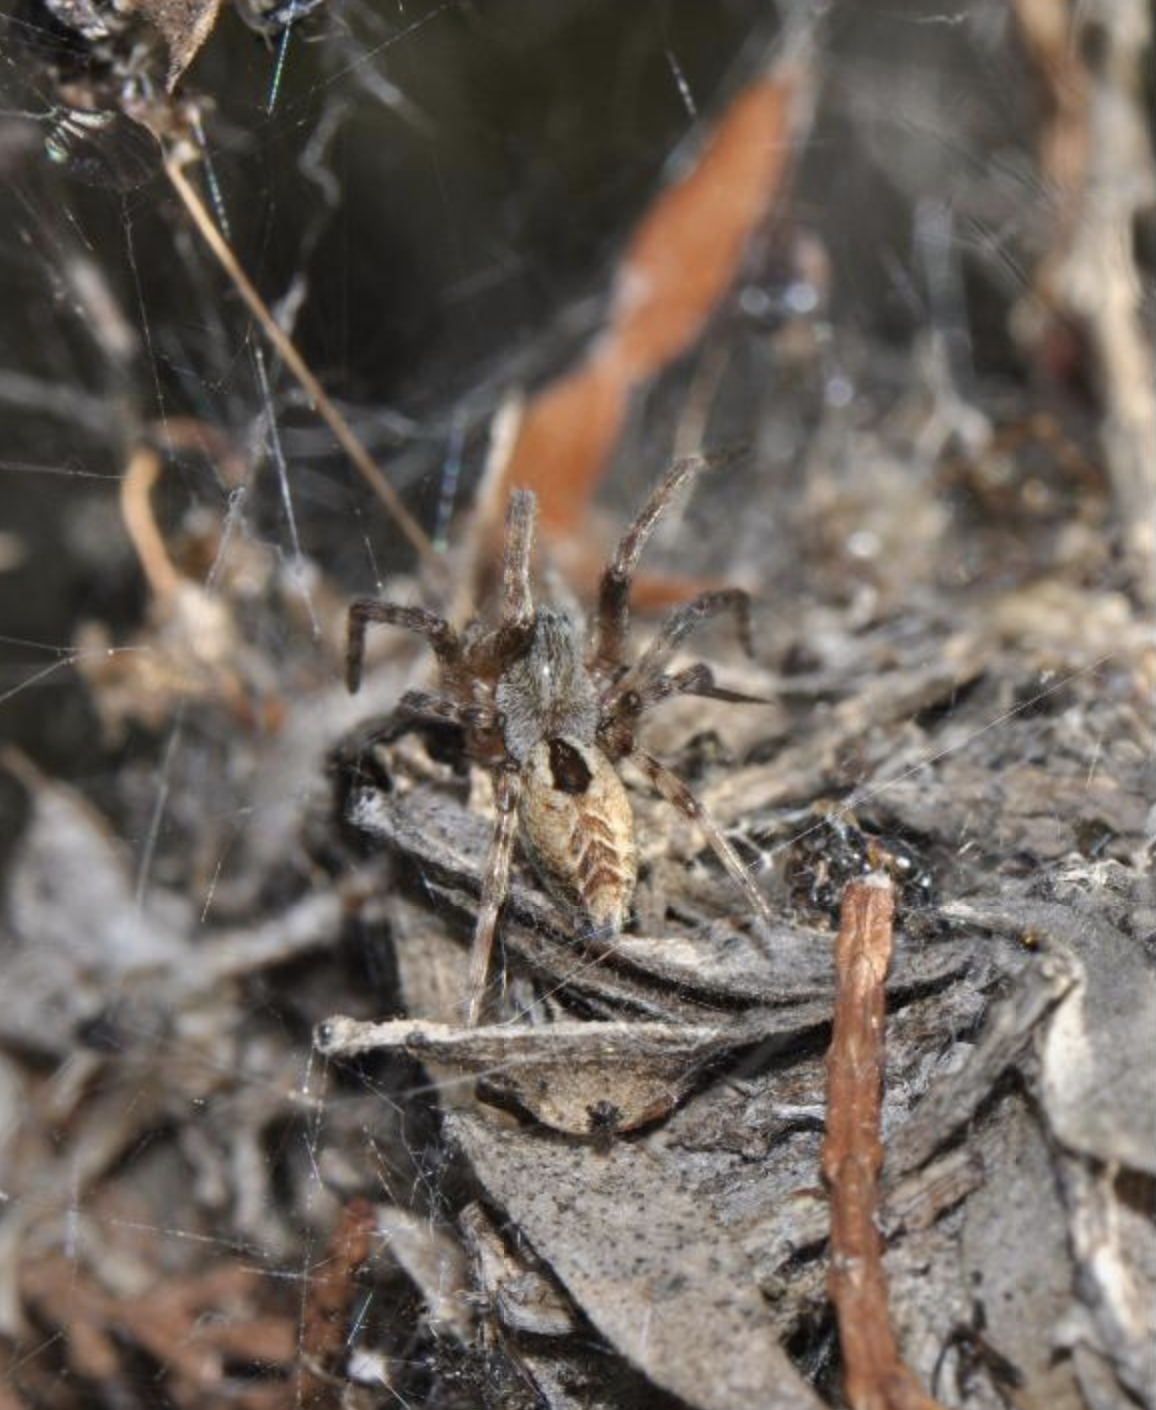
440, 707
694, 680
612, 623
517, 598
495, 882
366, 610
679, 796
679, 625
493, 651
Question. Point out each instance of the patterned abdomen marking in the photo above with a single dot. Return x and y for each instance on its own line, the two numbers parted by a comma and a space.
578, 829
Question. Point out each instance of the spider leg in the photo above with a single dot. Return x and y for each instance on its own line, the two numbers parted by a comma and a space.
516, 625
517, 599
625, 706
612, 622
695, 680
440, 707
679, 625
365, 610
495, 883
679, 796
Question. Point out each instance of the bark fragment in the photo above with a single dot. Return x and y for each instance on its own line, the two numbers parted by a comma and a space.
874, 1376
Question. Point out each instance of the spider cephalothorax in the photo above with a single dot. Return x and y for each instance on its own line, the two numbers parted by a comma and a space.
551, 715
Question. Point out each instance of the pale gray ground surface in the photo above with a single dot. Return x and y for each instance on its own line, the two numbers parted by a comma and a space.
610, 1197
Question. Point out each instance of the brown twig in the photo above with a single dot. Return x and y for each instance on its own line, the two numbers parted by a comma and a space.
874, 1376
287, 351
330, 1301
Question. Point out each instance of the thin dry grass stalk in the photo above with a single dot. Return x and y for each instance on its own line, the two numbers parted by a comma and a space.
874, 1376
287, 351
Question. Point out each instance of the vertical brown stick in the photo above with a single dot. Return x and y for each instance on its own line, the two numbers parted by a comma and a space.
329, 1306
874, 1376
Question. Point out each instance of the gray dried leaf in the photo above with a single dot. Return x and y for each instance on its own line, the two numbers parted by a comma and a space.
448, 844
804, 771
1096, 1053
918, 1200
84, 940
1014, 1255
224, 954
1115, 1252
655, 975
566, 970
432, 967
78, 928
577, 1077
781, 964
955, 1097
1044, 813
579, 1376
70, 887
531, 1326
909, 1206
447, 839
648, 1264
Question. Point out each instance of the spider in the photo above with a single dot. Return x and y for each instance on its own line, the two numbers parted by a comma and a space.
551, 719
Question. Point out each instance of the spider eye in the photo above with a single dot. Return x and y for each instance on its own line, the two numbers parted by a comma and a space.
570, 771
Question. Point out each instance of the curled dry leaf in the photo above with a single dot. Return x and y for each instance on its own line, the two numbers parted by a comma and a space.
1111, 1232
647, 1263
584, 1078
909, 1204
1096, 1068
82, 933
767, 965
77, 927
538, 1344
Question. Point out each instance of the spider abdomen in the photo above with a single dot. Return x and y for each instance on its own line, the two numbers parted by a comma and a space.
577, 826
